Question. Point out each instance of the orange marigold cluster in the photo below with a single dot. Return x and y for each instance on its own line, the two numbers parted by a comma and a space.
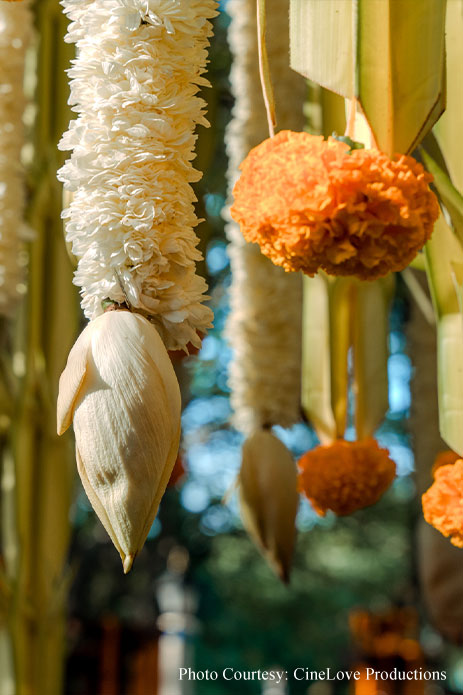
443, 502
345, 476
313, 204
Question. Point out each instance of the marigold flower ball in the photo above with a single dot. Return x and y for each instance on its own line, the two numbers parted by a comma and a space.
345, 476
443, 502
313, 204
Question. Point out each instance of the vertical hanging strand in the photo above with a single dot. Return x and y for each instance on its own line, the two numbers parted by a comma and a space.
264, 328
15, 33
264, 71
135, 87
37, 474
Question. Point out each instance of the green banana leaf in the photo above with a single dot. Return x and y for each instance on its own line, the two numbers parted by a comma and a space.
449, 195
444, 261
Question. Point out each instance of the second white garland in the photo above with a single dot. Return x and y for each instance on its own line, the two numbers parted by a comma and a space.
264, 327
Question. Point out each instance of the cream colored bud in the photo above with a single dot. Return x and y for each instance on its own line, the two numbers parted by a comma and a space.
269, 498
120, 389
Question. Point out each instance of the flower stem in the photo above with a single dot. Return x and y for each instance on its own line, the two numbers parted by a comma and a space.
264, 70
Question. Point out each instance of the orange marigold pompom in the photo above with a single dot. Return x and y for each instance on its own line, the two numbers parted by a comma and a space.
345, 476
443, 502
313, 204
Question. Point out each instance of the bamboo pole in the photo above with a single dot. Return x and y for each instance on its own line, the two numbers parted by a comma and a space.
40, 482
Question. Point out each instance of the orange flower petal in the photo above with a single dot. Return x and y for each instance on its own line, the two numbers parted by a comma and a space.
311, 204
443, 502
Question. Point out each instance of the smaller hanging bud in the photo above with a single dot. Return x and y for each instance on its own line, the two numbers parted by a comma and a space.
120, 389
269, 498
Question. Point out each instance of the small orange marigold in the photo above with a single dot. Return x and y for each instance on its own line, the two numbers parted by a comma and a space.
443, 502
345, 476
312, 204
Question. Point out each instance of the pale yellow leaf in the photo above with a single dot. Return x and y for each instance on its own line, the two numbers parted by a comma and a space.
444, 259
450, 379
449, 127
387, 54
341, 295
316, 370
441, 253
322, 46
370, 334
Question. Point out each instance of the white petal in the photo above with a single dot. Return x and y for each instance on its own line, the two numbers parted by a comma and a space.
71, 380
127, 426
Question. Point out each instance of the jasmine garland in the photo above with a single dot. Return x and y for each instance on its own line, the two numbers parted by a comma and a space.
134, 86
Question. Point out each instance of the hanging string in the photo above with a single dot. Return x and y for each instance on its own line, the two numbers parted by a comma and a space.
264, 70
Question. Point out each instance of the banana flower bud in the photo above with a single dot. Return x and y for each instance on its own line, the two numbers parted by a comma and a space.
269, 498
120, 389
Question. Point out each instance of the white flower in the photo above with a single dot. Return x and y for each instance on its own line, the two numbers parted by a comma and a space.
120, 389
134, 85
264, 328
15, 33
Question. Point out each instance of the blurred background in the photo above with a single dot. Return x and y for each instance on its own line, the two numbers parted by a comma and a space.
200, 594
199, 582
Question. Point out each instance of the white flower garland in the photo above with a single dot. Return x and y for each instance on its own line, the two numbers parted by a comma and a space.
134, 85
15, 33
264, 327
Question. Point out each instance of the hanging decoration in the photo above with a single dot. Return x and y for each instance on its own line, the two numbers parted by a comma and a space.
265, 318
120, 389
316, 204
269, 498
264, 325
134, 85
15, 34
351, 207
